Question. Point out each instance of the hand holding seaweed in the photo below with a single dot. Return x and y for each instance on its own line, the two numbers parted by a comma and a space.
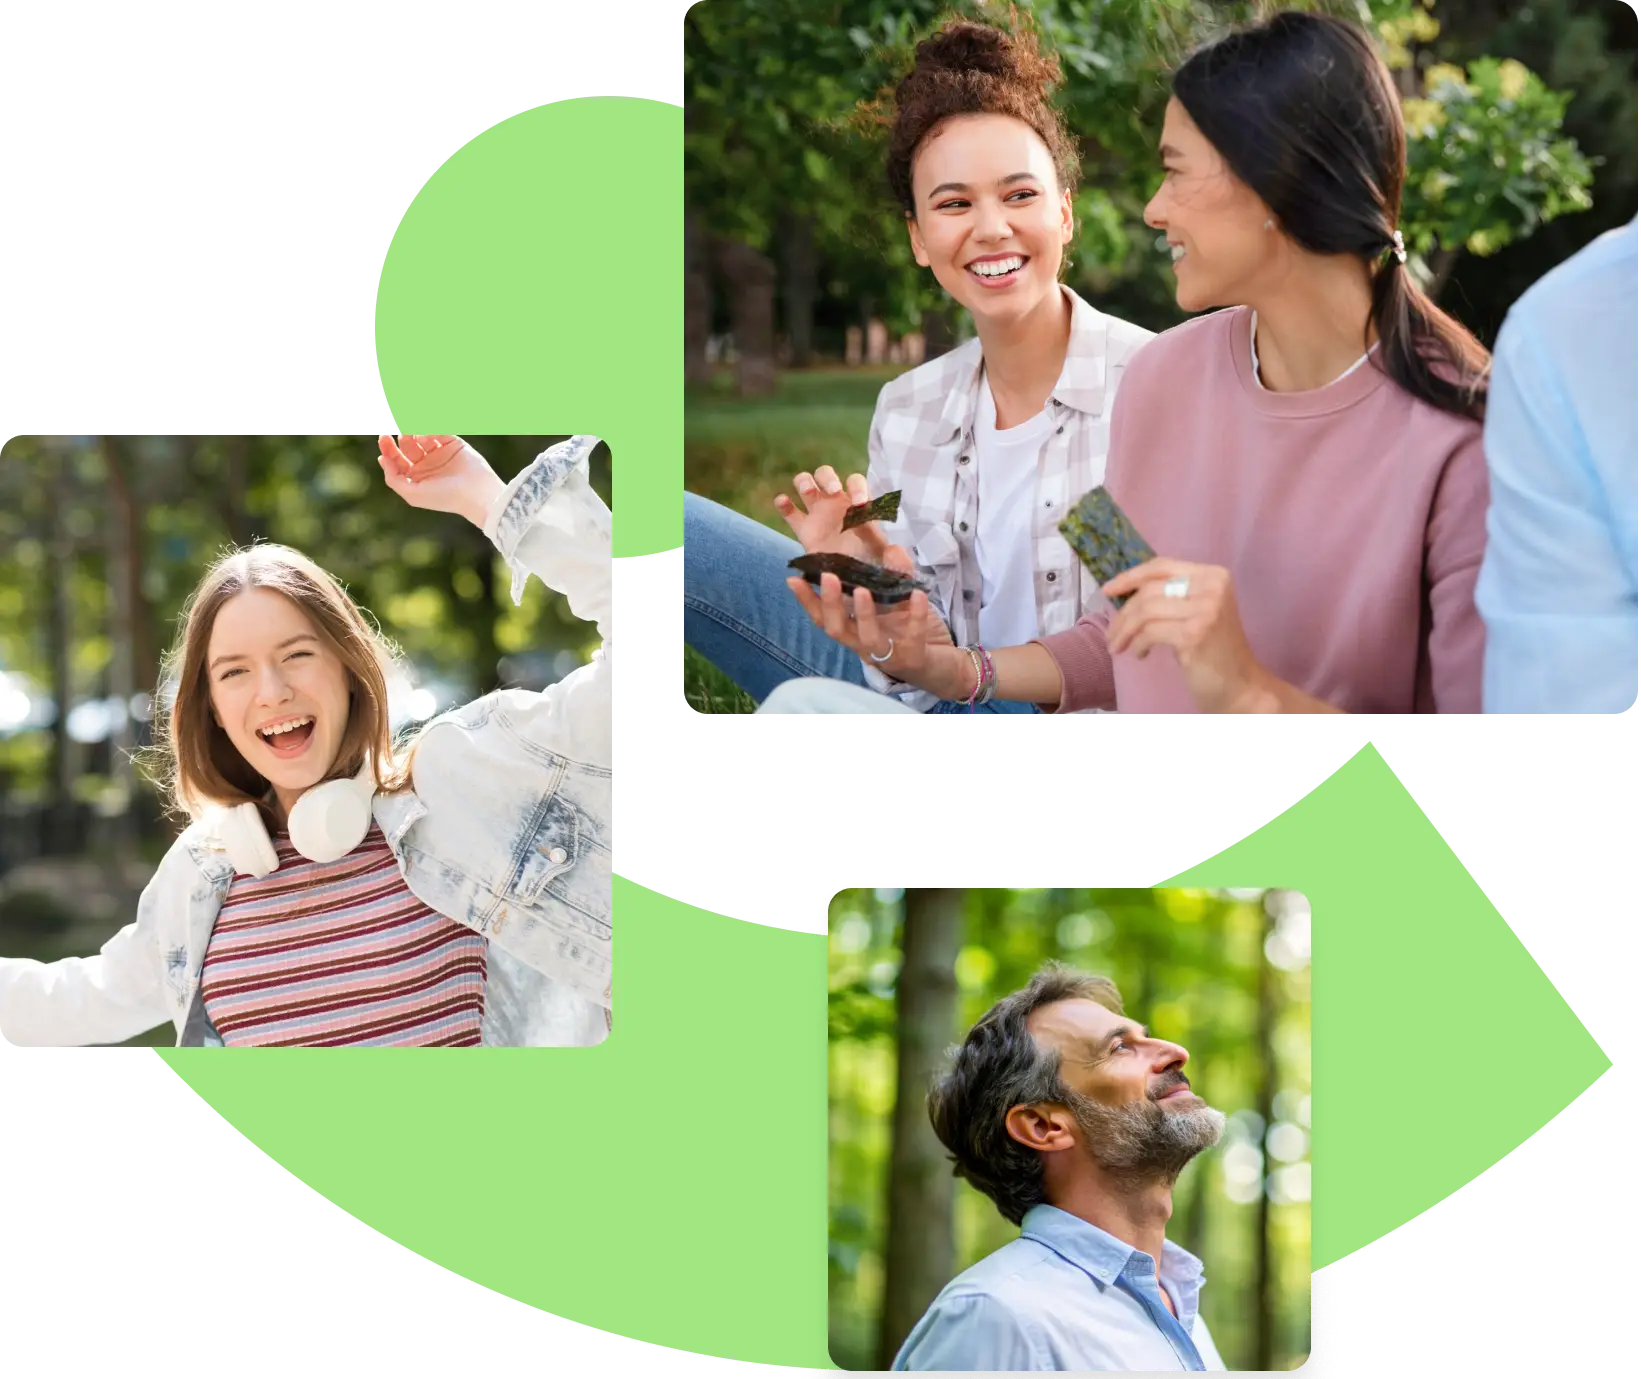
820, 519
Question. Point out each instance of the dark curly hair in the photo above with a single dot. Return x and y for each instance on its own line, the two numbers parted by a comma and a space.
975, 69
1001, 1066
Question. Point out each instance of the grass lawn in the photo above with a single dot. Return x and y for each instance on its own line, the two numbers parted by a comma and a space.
741, 452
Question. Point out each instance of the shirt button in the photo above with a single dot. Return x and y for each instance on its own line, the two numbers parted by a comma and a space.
962, 459
1059, 430
1051, 576
557, 857
968, 595
962, 526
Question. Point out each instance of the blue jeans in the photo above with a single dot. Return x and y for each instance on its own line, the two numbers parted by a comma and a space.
740, 615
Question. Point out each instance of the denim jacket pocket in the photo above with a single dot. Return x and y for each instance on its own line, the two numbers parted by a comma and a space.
565, 867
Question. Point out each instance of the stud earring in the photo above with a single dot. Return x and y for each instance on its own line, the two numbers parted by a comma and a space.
1270, 221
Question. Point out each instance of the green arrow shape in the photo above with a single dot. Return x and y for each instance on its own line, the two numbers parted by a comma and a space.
1406, 952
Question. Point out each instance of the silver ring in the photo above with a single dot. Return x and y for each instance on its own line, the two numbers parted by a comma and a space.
1176, 588
886, 655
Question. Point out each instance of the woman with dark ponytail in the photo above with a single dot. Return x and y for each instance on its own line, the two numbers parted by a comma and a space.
1309, 461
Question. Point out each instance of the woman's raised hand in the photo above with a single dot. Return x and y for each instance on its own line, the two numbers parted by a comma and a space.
440, 473
818, 524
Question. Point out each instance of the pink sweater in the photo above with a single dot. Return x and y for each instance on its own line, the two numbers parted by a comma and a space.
1352, 519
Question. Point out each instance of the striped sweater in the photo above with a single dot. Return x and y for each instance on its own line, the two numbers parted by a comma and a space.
334, 953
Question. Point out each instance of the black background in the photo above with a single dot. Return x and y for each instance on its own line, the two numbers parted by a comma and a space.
194, 247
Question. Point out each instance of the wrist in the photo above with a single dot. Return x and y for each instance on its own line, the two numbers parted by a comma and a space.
957, 679
486, 492
1257, 695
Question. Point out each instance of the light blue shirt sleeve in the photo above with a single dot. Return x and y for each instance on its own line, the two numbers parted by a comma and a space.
969, 1331
1557, 588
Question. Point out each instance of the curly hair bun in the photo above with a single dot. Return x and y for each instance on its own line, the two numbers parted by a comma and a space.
979, 48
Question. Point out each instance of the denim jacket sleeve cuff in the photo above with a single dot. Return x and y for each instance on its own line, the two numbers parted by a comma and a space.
549, 523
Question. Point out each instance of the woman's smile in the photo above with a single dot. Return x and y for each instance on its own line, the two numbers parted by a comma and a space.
997, 271
288, 737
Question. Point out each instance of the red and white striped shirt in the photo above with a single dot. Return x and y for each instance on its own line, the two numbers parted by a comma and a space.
322, 954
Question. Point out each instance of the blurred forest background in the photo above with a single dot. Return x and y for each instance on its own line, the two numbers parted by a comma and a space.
1225, 973
801, 297
101, 540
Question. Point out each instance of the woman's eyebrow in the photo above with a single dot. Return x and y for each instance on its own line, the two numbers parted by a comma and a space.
240, 656
1168, 151
1008, 181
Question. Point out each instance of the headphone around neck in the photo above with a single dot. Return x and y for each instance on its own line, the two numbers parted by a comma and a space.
328, 822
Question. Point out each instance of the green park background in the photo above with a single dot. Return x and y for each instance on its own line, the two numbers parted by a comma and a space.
101, 540
1225, 973
801, 297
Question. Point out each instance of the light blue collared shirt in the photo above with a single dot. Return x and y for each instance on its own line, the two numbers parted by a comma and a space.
1557, 586
1067, 1296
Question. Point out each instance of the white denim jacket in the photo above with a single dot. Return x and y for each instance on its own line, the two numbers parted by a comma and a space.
506, 829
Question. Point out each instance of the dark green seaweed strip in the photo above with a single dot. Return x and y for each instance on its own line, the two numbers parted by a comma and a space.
882, 509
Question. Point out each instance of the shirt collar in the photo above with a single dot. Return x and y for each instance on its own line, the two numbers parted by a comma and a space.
1081, 384
1103, 1257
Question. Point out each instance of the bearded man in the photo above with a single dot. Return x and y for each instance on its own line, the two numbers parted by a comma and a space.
1076, 1122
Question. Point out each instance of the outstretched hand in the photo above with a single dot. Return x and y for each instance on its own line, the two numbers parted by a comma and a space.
440, 473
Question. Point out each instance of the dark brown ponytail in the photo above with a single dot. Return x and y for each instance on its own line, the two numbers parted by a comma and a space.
1304, 111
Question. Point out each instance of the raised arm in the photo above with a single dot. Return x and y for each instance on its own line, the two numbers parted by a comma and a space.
548, 523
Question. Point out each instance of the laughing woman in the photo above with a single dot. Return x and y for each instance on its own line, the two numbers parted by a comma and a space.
332, 889
1309, 461
989, 444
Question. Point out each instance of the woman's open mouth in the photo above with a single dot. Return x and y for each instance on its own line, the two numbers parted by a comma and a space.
287, 737
997, 272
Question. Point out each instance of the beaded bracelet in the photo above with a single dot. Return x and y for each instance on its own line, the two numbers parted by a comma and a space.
990, 678
979, 675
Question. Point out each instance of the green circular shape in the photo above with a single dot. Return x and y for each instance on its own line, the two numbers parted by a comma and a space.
535, 285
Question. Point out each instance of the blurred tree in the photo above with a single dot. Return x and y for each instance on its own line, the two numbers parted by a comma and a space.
919, 1252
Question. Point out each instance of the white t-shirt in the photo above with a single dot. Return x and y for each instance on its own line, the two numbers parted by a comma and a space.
1253, 353
1006, 472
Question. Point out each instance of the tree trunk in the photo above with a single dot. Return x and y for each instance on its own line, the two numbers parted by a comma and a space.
938, 336
801, 286
750, 277
1264, 1255
124, 593
697, 305
61, 634
1441, 264
920, 1246
236, 465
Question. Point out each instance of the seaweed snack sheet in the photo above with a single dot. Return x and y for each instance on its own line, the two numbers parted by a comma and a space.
1104, 539
885, 585
884, 509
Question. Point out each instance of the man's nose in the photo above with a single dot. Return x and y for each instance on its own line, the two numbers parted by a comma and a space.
1169, 1056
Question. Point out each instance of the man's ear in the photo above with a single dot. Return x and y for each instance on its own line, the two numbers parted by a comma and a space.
1044, 1127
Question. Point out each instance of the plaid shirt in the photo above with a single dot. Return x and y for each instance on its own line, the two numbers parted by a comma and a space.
922, 443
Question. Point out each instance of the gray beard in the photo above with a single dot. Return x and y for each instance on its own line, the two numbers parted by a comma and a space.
1142, 1142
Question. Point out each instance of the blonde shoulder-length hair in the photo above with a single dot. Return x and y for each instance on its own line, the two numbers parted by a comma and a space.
196, 764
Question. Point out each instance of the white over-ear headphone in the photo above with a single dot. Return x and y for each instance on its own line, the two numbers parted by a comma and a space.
328, 822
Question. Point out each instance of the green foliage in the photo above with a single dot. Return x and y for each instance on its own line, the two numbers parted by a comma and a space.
775, 132
1485, 163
